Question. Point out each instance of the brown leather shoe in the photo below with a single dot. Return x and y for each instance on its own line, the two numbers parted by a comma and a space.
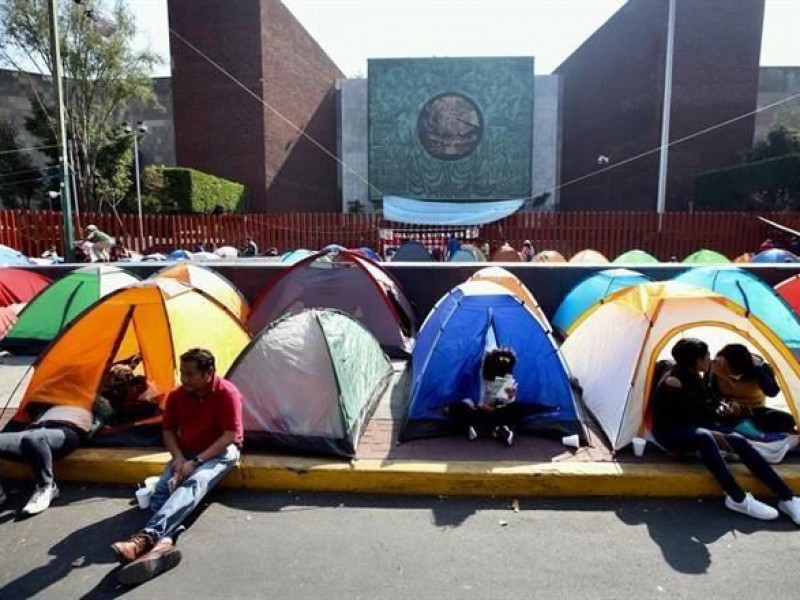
162, 557
129, 550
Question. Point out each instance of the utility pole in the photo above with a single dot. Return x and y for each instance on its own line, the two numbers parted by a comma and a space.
665, 115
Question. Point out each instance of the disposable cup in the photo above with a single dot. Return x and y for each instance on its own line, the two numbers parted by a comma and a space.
638, 446
143, 497
571, 441
150, 482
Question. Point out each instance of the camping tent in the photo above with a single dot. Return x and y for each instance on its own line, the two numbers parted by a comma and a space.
310, 382
369, 253
589, 256
593, 289
160, 319
753, 294
347, 282
776, 255
60, 302
614, 348
706, 257
14, 258
179, 255
634, 257
549, 256
412, 251
789, 290
211, 282
19, 286
293, 256
744, 258
471, 318
506, 254
510, 282
467, 253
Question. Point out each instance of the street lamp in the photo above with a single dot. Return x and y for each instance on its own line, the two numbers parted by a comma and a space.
140, 128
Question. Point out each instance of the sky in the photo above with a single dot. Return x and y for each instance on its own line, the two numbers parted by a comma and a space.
350, 31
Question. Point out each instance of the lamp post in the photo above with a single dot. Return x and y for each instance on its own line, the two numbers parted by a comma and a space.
63, 164
661, 201
140, 128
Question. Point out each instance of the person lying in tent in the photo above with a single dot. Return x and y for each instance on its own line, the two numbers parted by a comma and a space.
56, 431
202, 429
495, 413
745, 380
687, 418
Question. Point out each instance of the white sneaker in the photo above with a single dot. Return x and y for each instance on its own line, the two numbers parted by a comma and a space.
471, 433
41, 499
791, 508
752, 507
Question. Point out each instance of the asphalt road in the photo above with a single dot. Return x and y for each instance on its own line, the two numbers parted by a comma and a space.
286, 545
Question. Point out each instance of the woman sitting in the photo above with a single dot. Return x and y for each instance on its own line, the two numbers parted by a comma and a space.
745, 381
686, 419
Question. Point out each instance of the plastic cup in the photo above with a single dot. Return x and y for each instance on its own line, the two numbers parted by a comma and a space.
150, 482
143, 497
638, 446
571, 441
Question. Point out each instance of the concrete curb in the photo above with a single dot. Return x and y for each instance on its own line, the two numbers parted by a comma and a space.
259, 472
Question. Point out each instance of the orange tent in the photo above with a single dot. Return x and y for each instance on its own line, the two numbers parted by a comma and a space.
589, 256
506, 254
549, 256
211, 282
512, 283
160, 319
743, 258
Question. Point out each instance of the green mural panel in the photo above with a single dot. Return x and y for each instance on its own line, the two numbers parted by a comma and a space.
451, 128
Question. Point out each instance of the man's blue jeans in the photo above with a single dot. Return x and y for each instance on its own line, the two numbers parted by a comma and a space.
172, 509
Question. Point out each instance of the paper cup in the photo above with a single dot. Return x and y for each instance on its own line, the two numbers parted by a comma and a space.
638, 446
150, 482
571, 441
143, 497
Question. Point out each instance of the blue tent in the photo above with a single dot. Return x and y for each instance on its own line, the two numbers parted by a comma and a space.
776, 255
371, 253
592, 289
412, 251
179, 255
293, 256
446, 361
752, 293
11, 257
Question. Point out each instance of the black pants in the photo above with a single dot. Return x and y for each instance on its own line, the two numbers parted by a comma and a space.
770, 420
702, 440
485, 422
38, 447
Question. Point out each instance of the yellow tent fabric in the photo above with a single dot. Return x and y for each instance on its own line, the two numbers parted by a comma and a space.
589, 256
614, 346
160, 319
212, 283
552, 256
509, 281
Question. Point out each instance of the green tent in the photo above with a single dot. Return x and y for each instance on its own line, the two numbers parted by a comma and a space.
310, 382
59, 303
635, 257
706, 257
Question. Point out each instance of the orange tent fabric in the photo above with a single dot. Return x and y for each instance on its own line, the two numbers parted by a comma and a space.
506, 254
512, 283
743, 258
211, 282
160, 319
589, 256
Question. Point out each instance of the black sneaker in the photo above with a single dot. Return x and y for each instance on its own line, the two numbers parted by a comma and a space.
505, 435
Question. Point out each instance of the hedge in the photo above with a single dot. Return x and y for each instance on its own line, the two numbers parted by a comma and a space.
187, 191
734, 188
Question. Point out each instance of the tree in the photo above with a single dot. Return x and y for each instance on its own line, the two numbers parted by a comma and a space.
102, 75
780, 142
20, 181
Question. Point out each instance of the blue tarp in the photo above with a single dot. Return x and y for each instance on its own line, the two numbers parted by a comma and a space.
753, 294
429, 212
592, 289
446, 361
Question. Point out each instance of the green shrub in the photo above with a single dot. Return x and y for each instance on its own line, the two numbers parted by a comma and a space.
186, 191
772, 184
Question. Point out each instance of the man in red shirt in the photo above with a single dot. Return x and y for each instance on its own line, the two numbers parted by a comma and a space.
202, 429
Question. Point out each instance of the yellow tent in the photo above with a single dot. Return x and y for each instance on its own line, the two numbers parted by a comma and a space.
613, 348
589, 256
510, 282
211, 282
552, 256
160, 319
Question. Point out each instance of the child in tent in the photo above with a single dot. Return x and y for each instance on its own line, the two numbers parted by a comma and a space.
495, 413
745, 381
686, 419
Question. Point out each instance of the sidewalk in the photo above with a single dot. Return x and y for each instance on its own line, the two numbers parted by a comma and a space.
439, 466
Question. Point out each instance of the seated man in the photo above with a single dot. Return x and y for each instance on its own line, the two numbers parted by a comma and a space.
202, 429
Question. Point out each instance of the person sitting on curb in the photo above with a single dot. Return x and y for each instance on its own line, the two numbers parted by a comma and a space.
495, 413
686, 419
55, 432
202, 430
745, 381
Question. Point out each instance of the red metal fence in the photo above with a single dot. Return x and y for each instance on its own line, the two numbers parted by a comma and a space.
611, 233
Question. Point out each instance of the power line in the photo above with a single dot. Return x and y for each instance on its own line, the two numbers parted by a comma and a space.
39, 170
28, 149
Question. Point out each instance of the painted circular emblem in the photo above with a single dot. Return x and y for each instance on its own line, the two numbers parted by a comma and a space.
450, 126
